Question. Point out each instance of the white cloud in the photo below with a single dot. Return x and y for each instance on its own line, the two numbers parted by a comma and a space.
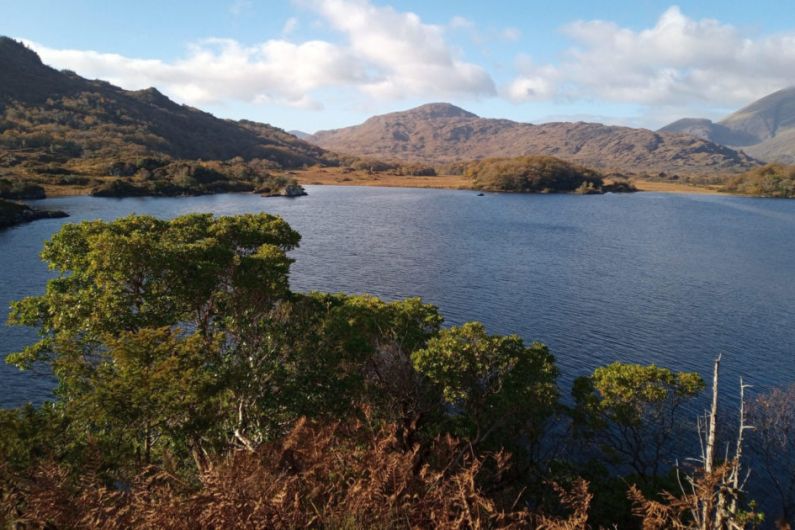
408, 57
698, 67
385, 54
679, 61
290, 25
216, 70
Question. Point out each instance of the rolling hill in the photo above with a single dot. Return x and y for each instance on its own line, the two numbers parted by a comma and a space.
765, 129
441, 133
56, 122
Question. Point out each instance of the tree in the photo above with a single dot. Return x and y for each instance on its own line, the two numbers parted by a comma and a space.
139, 301
325, 354
370, 343
184, 335
709, 497
632, 412
498, 388
772, 445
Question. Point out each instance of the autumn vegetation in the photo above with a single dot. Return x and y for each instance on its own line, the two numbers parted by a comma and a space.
539, 174
197, 390
771, 180
59, 129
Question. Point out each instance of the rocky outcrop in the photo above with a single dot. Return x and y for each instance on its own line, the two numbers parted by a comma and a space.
12, 213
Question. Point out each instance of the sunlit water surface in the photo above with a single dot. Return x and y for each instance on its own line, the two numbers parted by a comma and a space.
652, 278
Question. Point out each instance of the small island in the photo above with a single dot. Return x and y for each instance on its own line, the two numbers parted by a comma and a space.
541, 174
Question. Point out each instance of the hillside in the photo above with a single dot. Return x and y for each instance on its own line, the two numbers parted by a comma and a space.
765, 129
55, 124
440, 132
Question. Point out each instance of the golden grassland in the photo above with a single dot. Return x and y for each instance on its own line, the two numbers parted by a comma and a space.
676, 187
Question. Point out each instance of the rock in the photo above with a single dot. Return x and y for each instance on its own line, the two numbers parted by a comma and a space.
292, 189
12, 213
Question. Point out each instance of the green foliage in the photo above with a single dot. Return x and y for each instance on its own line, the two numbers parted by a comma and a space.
533, 174
14, 189
138, 302
29, 434
151, 393
182, 337
771, 180
380, 338
496, 384
632, 411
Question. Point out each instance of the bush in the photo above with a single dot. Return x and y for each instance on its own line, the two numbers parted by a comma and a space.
771, 180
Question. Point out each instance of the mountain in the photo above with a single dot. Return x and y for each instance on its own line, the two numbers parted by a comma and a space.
56, 122
765, 129
301, 135
441, 132
709, 130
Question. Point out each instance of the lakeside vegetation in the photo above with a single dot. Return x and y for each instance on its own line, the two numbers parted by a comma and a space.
771, 180
195, 389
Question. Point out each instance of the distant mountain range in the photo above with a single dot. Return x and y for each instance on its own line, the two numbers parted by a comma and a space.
52, 118
58, 123
441, 132
765, 129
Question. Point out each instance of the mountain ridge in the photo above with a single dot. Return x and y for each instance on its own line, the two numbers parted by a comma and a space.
443, 133
50, 117
765, 128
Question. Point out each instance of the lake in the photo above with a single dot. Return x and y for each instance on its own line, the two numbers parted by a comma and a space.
670, 279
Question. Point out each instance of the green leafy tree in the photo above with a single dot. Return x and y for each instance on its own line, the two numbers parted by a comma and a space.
183, 336
501, 391
210, 281
633, 412
380, 338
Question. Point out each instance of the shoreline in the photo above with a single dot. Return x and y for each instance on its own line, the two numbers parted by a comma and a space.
335, 177
338, 177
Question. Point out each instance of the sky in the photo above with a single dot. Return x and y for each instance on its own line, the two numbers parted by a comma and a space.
319, 64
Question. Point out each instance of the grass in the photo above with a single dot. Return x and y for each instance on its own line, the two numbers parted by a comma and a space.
676, 187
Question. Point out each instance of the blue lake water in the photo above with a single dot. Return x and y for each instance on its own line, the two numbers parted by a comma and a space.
651, 278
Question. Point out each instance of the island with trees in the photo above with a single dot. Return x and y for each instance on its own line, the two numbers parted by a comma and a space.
540, 174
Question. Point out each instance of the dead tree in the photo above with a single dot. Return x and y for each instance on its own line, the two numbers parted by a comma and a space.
709, 495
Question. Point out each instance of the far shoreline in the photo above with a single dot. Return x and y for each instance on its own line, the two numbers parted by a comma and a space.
339, 177
336, 177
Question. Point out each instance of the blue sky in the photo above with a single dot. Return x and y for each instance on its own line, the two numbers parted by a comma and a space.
316, 64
